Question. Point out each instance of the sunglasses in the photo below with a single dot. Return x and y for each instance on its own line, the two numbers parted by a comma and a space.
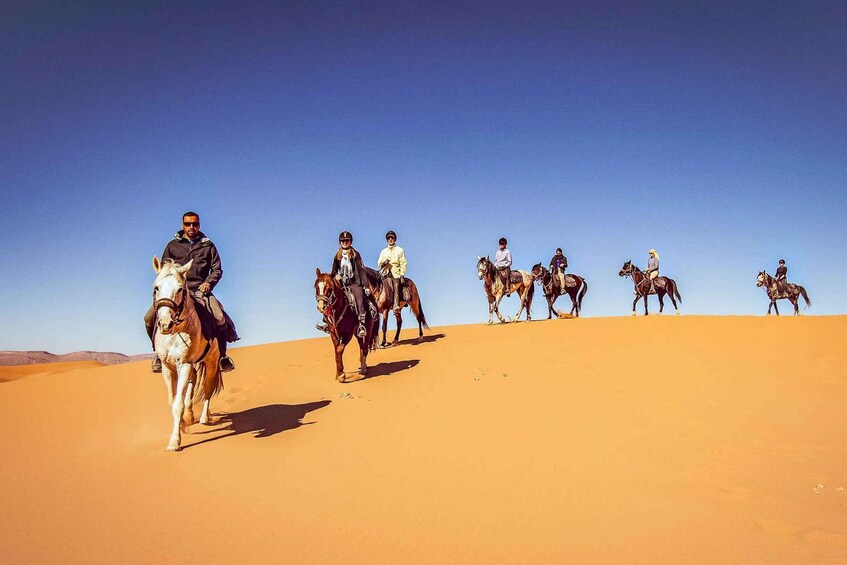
188, 224
345, 241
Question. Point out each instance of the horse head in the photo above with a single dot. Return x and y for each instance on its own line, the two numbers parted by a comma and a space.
169, 293
626, 270
325, 287
762, 279
483, 265
538, 272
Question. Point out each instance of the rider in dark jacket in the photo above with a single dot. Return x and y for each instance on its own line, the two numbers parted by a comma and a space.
558, 264
190, 244
781, 277
348, 269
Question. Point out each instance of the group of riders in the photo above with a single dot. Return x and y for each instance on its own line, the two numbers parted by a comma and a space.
191, 244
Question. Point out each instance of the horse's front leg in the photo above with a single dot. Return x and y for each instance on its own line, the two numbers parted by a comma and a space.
635, 302
573, 301
661, 296
183, 375
170, 382
188, 404
796, 303
209, 383
646, 296
775, 308
338, 346
384, 329
497, 309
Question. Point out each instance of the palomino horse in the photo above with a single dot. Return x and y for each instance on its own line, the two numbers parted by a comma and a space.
384, 294
189, 355
575, 286
342, 322
793, 294
663, 285
494, 289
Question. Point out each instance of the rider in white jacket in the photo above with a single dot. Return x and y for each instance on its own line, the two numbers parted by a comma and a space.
396, 259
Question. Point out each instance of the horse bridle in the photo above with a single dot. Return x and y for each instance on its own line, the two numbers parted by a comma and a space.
178, 309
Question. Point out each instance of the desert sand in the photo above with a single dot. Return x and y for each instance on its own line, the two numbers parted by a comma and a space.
13, 372
611, 440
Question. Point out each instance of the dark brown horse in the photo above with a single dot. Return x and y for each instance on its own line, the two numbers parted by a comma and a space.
663, 285
575, 287
792, 293
342, 322
384, 295
495, 290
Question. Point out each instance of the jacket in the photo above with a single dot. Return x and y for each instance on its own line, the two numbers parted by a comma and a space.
358, 267
782, 272
558, 262
206, 267
396, 258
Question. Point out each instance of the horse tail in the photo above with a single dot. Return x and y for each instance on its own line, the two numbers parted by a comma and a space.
206, 386
805, 296
676, 292
421, 317
581, 294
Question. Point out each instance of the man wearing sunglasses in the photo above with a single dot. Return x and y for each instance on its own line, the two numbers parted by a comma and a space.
188, 244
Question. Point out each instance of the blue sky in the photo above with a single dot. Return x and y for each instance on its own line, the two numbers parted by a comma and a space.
714, 132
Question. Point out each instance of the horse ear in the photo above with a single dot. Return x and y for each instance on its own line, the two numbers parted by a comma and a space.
156, 264
184, 269
478, 257
318, 272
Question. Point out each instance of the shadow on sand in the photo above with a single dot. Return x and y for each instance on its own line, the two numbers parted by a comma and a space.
424, 339
262, 421
382, 370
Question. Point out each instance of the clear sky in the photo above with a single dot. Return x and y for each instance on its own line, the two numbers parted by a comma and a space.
715, 132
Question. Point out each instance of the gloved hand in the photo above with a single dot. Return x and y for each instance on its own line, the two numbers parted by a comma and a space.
367, 292
205, 288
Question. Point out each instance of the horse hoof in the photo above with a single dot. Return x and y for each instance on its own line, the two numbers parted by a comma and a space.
677, 312
174, 448
341, 378
633, 313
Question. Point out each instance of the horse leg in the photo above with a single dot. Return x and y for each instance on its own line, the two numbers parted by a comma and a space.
775, 307
210, 383
661, 296
384, 328
170, 382
183, 372
399, 318
646, 296
339, 361
188, 406
634, 302
573, 301
522, 296
500, 317
796, 304
363, 357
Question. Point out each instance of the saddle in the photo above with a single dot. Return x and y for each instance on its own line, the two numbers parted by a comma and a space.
570, 282
515, 277
207, 319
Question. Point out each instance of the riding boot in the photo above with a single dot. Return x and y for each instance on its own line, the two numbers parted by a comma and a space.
226, 364
362, 331
395, 284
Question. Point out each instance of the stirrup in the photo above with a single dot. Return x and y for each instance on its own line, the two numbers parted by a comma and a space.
322, 327
156, 366
226, 365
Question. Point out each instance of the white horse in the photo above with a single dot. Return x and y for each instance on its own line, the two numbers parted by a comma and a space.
495, 290
189, 360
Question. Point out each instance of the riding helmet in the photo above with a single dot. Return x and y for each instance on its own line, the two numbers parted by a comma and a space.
503, 241
345, 235
782, 261
390, 233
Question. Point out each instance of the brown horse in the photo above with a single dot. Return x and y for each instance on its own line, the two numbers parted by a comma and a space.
342, 322
494, 289
384, 295
575, 287
794, 291
663, 285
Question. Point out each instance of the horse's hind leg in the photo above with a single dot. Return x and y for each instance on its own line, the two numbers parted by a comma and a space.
384, 329
796, 302
775, 308
210, 385
399, 318
574, 307
661, 302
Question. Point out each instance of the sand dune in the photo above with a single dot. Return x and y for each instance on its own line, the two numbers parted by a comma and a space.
617, 440
13, 372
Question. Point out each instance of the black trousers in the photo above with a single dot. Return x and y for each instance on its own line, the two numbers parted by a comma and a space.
358, 294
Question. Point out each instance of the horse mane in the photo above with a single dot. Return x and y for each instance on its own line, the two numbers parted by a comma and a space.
170, 267
373, 278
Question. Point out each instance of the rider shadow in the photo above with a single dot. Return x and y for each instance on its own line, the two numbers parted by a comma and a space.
264, 421
424, 339
383, 369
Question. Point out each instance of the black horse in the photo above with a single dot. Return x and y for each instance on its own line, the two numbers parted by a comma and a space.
662, 286
575, 287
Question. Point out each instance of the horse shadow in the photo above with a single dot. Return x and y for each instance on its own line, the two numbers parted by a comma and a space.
383, 370
424, 339
263, 421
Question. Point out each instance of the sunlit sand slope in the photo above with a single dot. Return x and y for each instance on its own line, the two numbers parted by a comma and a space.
617, 440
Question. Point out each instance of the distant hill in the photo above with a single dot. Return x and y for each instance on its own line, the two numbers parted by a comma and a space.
31, 357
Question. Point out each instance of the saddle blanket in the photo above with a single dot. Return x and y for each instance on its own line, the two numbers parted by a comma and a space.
515, 277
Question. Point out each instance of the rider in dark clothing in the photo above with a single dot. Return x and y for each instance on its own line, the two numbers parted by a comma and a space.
190, 244
348, 268
558, 264
781, 277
